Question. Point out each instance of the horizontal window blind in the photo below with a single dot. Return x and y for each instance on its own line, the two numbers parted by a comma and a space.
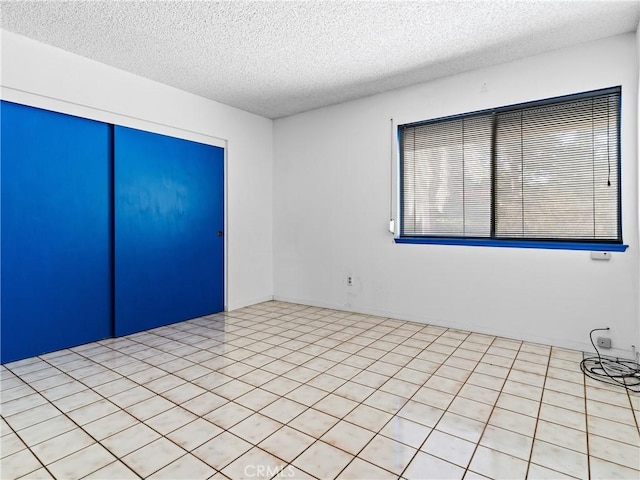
547, 170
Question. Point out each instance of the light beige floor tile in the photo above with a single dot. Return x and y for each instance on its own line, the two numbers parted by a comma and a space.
221, 450
613, 430
471, 409
235, 388
474, 392
618, 398
183, 393
22, 404
283, 410
400, 388
164, 383
255, 464
537, 472
76, 400
497, 360
131, 396
368, 417
187, 467
32, 416
93, 411
40, 474
524, 390
286, 443
313, 422
147, 376
493, 370
526, 378
461, 427
150, 408
559, 399
406, 431
564, 460
561, 374
257, 377
301, 374
46, 430
616, 452
194, 434
513, 421
518, 404
370, 379
228, 415
19, 464
436, 468
421, 413
109, 425
82, 462
10, 444
497, 465
562, 436
388, 454
306, 395
130, 439
385, 401
335, 405
58, 447
353, 391
115, 387
610, 412
256, 399
348, 437
443, 384
204, 404
19, 390
508, 442
359, 469
562, 416
485, 381
255, 428
326, 382
170, 420
605, 470
412, 376
447, 447
564, 386
323, 460
432, 397
153, 457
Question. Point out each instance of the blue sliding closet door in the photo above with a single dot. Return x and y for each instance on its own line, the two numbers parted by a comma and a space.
169, 219
56, 247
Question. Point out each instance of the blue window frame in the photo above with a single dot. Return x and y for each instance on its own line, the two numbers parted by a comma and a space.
542, 174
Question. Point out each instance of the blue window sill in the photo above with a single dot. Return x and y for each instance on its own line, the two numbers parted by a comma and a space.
482, 242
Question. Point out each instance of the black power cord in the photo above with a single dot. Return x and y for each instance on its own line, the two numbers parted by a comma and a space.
624, 373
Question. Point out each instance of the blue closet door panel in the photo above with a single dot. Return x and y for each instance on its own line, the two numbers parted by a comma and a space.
56, 265
169, 208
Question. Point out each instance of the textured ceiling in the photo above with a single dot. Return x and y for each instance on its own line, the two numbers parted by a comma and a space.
281, 58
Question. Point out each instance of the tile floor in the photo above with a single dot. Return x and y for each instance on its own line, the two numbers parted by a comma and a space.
290, 391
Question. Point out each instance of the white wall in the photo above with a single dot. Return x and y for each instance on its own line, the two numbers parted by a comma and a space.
331, 214
43, 76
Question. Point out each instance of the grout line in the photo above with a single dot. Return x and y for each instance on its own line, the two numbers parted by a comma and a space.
535, 430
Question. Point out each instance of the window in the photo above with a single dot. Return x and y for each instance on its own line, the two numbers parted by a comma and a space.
539, 173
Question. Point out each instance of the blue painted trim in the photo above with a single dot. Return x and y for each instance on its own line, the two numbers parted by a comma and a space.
482, 242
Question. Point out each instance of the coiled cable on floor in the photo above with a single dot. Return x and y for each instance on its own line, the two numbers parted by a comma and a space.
624, 373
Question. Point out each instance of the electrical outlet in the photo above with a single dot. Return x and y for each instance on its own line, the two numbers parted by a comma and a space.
349, 281
604, 342
600, 256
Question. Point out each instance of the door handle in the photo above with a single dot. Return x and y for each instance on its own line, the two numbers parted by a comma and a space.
220, 233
